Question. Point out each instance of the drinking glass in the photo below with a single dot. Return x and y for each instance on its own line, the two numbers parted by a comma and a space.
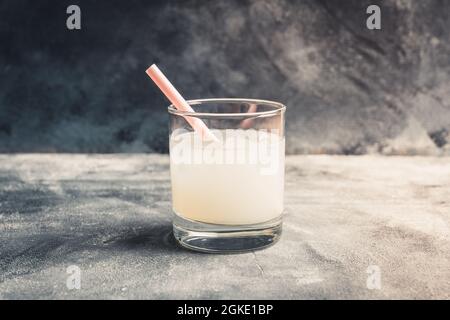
227, 193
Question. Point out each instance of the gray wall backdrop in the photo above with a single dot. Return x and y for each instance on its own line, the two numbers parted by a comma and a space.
349, 90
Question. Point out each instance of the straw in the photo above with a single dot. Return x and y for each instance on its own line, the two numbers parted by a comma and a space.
178, 101
248, 123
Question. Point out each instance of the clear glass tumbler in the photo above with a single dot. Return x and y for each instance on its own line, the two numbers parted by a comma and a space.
227, 194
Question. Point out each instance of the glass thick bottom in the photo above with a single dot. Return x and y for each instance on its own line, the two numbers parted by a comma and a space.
215, 238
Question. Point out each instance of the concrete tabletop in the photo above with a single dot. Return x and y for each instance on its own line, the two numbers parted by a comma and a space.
354, 227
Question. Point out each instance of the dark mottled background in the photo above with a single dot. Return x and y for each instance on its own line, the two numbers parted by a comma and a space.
348, 89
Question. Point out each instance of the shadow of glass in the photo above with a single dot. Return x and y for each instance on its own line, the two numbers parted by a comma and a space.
157, 237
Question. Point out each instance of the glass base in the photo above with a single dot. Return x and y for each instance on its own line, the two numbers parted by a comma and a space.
214, 238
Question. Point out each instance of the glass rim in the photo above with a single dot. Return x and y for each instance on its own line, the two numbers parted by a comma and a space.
278, 108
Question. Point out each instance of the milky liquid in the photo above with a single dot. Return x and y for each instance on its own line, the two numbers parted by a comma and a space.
237, 180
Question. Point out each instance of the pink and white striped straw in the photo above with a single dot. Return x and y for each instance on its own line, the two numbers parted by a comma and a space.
178, 101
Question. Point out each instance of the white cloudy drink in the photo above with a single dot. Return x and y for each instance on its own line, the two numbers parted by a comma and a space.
227, 170
237, 180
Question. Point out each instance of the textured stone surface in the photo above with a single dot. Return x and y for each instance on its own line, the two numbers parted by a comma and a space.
349, 90
110, 215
